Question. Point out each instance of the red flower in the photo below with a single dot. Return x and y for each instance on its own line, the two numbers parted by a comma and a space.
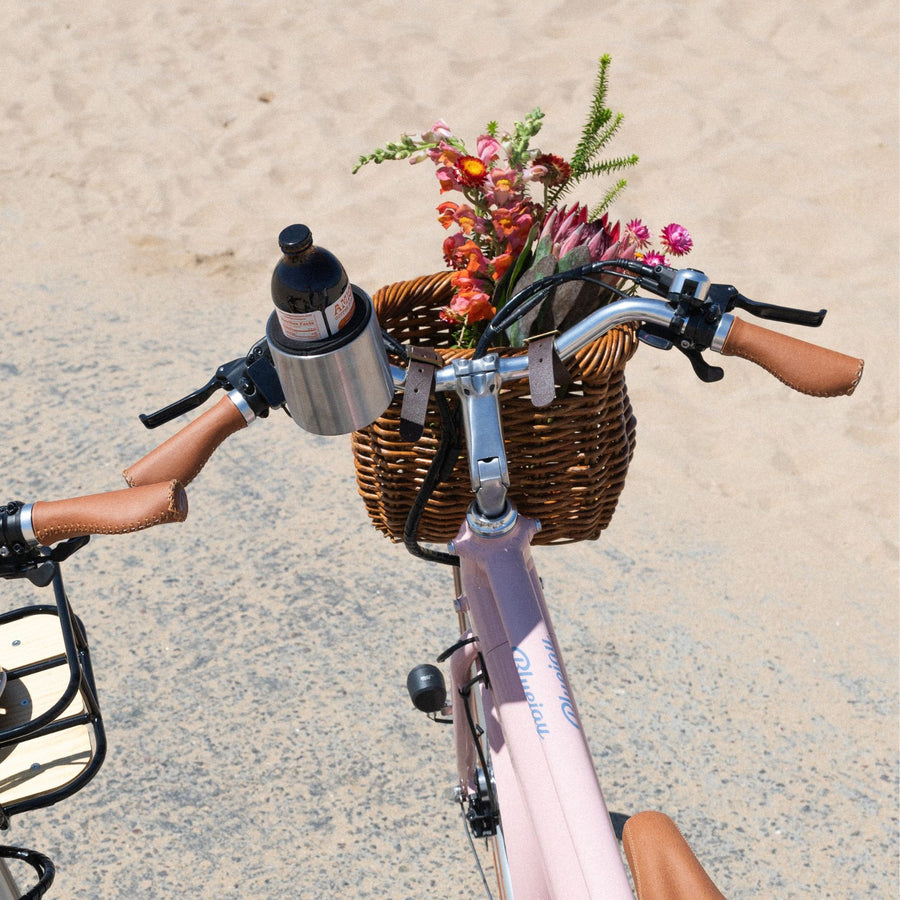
557, 170
471, 171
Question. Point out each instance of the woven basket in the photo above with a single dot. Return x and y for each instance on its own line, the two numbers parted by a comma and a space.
567, 461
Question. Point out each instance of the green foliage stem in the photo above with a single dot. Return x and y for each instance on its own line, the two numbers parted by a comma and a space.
600, 127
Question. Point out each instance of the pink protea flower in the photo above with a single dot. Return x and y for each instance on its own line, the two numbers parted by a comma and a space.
601, 236
569, 228
561, 222
676, 239
573, 239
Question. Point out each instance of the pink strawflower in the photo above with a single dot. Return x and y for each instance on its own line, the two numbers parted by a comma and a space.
676, 239
654, 259
638, 232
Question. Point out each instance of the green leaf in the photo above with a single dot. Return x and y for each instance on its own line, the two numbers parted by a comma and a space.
607, 200
599, 128
544, 247
579, 256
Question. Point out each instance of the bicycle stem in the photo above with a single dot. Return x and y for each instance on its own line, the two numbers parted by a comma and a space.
478, 385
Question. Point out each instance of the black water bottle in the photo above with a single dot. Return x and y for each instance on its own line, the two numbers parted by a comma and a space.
312, 294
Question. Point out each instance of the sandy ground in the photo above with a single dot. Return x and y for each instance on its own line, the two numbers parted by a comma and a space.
732, 637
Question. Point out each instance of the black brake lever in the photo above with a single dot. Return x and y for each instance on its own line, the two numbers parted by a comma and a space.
699, 307
182, 406
253, 375
728, 297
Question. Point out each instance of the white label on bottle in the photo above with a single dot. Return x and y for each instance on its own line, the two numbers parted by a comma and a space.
308, 326
340, 312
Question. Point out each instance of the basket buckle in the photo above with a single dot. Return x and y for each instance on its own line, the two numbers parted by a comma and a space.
423, 363
545, 369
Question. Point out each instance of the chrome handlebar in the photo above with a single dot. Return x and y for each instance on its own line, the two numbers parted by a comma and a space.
598, 323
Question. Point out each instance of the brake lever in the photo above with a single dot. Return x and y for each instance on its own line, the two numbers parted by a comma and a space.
728, 297
182, 406
699, 306
253, 375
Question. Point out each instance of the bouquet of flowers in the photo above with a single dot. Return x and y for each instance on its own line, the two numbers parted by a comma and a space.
510, 227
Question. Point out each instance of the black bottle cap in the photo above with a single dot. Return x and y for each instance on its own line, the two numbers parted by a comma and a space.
295, 239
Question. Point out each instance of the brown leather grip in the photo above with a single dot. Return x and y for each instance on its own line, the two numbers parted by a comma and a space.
805, 367
115, 512
184, 454
662, 863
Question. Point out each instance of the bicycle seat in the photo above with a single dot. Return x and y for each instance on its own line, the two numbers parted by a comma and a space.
662, 864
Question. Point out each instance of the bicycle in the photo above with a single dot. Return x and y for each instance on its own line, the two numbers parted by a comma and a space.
526, 781
52, 739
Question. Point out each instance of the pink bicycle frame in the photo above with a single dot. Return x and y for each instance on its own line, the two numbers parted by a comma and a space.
556, 827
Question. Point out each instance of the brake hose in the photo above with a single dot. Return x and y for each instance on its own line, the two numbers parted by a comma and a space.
533, 295
441, 466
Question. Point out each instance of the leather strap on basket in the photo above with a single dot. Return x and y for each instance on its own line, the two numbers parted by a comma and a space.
545, 370
423, 363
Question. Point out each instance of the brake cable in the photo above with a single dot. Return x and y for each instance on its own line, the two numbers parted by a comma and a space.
439, 470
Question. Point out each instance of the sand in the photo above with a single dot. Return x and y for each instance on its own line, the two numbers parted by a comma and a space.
733, 635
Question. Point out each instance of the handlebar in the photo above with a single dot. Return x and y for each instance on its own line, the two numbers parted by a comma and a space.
184, 454
113, 512
805, 367
28, 529
692, 314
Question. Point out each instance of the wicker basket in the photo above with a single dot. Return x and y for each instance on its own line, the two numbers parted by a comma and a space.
567, 461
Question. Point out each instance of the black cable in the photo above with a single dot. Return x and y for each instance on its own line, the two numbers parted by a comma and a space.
444, 459
526, 299
441, 466
466, 691
394, 346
